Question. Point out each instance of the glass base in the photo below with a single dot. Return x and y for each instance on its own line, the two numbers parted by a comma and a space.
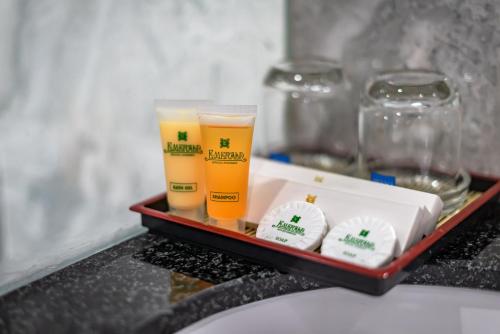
451, 189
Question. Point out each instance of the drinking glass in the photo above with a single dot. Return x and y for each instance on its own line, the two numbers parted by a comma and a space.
410, 132
307, 115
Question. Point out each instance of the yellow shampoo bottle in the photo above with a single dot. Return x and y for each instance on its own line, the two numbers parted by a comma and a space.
227, 133
183, 157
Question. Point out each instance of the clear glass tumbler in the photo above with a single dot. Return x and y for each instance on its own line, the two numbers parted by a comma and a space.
307, 116
410, 133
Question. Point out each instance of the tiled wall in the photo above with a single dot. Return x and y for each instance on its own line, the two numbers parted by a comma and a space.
458, 37
79, 141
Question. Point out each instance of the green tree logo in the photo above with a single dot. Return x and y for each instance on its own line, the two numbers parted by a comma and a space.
295, 219
364, 233
182, 135
224, 142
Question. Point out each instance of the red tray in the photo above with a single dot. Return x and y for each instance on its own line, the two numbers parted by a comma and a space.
312, 264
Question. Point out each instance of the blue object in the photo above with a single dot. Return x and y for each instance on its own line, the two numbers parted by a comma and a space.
380, 178
280, 157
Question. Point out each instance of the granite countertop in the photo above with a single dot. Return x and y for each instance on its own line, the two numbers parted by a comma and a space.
153, 284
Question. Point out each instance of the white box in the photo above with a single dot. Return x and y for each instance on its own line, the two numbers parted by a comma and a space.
431, 204
339, 206
262, 190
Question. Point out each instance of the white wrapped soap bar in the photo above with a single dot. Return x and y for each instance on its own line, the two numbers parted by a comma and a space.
296, 224
366, 241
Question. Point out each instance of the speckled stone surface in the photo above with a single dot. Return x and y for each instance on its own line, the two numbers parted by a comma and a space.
151, 284
130, 287
471, 259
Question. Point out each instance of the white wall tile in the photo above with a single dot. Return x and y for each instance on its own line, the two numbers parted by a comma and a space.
79, 141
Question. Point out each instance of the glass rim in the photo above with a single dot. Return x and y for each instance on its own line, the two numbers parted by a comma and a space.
399, 80
311, 75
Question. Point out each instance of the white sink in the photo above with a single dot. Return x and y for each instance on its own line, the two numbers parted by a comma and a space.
405, 309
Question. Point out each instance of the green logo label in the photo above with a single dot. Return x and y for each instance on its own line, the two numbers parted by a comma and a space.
225, 157
357, 242
289, 228
178, 149
182, 149
182, 135
364, 233
295, 219
224, 142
